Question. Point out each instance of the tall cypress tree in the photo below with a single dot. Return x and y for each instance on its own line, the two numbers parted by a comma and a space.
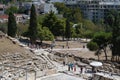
12, 27
32, 30
67, 30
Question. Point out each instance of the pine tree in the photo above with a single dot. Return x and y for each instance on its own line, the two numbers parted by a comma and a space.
49, 21
32, 30
113, 20
12, 27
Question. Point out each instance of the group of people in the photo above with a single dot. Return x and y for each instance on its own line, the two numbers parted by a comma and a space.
64, 47
72, 67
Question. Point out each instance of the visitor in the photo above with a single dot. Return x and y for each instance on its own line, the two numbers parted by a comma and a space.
71, 65
64, 63
93, 69
68, 47
68, 67
63, 46
83, 46
51, 47
74, 67
81, 69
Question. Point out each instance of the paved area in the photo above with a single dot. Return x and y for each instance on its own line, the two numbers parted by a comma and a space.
60, 76
62, 70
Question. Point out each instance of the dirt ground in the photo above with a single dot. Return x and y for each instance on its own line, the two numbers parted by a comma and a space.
7, 46
81, 53
71, 44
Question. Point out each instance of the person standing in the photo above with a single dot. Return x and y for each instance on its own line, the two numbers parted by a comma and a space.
64, 63
68, 67
63, 46
71, 66
74, 67
81, 69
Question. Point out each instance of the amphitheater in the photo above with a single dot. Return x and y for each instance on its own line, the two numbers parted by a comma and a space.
17, 62
20, 62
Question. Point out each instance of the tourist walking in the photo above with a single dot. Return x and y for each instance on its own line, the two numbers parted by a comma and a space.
81, 70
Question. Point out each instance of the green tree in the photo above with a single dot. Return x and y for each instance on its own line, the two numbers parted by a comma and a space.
77, 15
59, 28
102, 39
22, 28
49, 21
100, 42
73, 33
92, 46
48, 34
113, 20
79, 30
25, 0
41, 33
21, 10
3, 27
12, 27
32, 29
89, 25
101, 25
68, 30
73, 15
45, 34
61, 7
88, 34
12, 9
3, 1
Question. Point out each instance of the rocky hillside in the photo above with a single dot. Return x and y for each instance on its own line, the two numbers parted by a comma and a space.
15, 59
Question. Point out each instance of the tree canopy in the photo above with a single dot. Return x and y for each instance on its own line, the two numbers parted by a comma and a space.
59, 28
12, 27
49, 21
92, 46
113, 21
68, 30
12, 9
61, 7
32, 29
44, 34
102, 39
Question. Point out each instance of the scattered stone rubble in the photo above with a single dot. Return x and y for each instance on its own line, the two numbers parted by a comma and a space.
18, 61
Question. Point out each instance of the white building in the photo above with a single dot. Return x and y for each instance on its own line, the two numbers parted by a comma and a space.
49, 7
70, 2
20, 18
2, 8
56, 1
41, 6
94, 9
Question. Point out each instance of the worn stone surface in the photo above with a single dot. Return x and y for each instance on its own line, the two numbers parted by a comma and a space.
16, 61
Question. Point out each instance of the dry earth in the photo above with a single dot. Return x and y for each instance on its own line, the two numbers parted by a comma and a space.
16, 59
81, 53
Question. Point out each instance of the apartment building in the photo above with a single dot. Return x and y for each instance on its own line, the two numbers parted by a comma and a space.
41, 6
94, 10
